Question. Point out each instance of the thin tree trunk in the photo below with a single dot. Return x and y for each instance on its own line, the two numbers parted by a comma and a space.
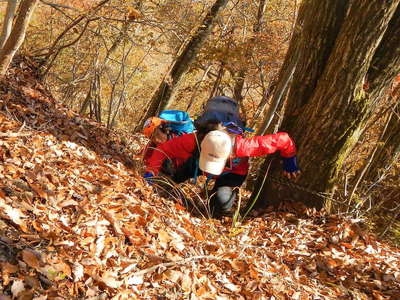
97, 102
217, 81
164, 91
386, 61
362, 172
278, 98
17, 34
8, 21
197, 85
389, 150
263, 103
88, 100
241, 75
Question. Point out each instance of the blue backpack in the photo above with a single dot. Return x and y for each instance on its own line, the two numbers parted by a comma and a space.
179, 121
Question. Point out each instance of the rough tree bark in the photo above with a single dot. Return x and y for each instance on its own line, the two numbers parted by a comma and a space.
164, 91
384, 67
326, 110
316, 30
17, 34
8, 21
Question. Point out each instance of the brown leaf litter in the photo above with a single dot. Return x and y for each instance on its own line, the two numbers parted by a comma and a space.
78, 222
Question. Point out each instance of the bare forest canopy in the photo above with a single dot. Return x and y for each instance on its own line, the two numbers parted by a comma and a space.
118, 54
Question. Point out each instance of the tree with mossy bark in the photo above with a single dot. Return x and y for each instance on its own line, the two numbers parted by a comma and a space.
338, 45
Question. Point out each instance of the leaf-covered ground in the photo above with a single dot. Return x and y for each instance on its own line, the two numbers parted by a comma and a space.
78, 222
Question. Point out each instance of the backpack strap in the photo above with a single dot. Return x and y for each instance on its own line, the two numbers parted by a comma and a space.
196, 170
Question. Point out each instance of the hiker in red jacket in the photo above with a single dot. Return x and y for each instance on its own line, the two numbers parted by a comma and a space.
223, 155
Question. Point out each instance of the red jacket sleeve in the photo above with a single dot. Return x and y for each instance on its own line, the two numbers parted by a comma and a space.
263, 145
177, 149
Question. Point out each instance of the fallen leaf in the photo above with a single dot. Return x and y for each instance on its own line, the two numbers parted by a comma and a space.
44, 297
30, 259
164, 238
179, 207
68, 203
187, 283
77, 270
172, 275
232, 287
198, 236
239, 265
134, 280
15, 215
109, 278
9, 268
17, 287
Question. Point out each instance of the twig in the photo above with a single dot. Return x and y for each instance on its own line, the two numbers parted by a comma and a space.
56, 6
68, 45
179, 262
72, 25
236, 215
22, 127
14, 134
258, 194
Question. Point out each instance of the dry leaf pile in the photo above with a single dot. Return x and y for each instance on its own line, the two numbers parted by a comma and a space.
78, 222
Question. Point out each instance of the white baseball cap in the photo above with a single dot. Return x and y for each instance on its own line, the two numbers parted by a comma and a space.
216, 148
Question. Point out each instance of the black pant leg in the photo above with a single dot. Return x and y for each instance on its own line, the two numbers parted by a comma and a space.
225, 191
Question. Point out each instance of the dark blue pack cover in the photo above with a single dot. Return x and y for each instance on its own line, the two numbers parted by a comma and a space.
222, 109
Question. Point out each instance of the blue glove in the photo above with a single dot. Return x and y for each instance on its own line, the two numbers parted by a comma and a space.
148, 176
290, 164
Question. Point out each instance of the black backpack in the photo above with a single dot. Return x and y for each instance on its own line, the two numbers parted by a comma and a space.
221, 109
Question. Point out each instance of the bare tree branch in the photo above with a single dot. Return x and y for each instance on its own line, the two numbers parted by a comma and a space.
58, 6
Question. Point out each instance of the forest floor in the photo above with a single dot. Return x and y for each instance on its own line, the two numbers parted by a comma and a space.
78, 222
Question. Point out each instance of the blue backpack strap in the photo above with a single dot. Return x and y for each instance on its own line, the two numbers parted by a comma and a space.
248, 129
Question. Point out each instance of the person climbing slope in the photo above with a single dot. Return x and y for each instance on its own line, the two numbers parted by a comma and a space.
220, 150
167, 125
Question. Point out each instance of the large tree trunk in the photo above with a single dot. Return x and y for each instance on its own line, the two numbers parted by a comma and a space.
316, 30
8, 21
309, 48
326, 111
307, 62
164, 91
17, 35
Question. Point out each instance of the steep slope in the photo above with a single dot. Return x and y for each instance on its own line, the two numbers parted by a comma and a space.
78, 222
